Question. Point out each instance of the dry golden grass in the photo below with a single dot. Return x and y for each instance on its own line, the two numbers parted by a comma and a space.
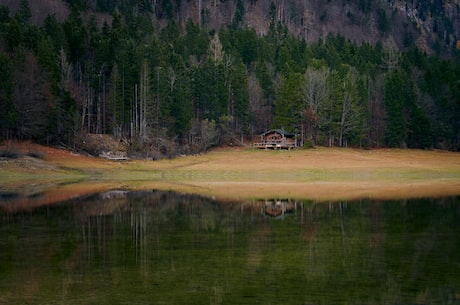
318, 174
321, 174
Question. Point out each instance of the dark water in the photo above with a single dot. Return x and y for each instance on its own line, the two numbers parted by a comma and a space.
166, 248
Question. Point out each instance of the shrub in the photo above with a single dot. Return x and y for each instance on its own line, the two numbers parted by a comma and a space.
8, 154
36, 154
308, 144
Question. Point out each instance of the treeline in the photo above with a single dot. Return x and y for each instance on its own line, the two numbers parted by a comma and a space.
178, 88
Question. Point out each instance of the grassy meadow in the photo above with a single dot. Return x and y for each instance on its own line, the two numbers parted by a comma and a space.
239, 173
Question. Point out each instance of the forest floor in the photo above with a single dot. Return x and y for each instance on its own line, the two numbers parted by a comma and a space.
234, 173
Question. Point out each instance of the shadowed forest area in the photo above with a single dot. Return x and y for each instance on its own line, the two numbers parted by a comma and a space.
156, 81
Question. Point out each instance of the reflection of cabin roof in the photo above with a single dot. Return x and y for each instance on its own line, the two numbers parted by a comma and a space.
278, 208
280, 131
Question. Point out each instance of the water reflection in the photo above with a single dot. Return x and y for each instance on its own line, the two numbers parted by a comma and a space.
278, 208
156, 247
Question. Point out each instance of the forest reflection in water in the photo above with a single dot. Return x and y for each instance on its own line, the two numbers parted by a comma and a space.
157, 247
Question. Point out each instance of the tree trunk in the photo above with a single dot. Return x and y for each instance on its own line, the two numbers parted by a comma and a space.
199, 11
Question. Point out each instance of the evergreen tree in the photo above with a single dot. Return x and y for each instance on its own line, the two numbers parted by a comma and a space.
134, 76
239, 13
239, 97
419, 129
24, 13
8, 115
65, 120
76, 37
14, 35
289, 101
47, 57
382, 20
182, 102
53, 29
265, 79
396, 132
246, 44
4, 16
116, 105
195, 42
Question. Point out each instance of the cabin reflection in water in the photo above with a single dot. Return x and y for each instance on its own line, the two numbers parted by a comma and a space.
156, 247
277, 208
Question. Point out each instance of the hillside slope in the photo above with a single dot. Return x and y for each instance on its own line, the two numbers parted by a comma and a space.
172, 77
433, 26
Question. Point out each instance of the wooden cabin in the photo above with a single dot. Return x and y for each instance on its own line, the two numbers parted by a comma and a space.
278, 208
277, 139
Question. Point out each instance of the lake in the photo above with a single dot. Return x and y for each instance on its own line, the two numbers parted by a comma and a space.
156, 247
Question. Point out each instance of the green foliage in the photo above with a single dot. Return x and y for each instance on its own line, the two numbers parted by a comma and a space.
289, 101
365, 6
76, 35
265, 79
383, 23
78, 5
14, 35
181, 102
55, 31
164, 9
420, 134
239, 97
195, 42
394, 101
47, 57
4, 14
239, 14
245, 41
24, 13
8, 115
91, 78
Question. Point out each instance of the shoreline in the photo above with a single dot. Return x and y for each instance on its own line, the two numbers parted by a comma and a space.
240, 174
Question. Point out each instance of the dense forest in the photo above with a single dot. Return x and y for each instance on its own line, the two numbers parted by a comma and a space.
132, 70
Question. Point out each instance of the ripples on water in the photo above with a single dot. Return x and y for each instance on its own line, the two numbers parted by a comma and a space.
167, 248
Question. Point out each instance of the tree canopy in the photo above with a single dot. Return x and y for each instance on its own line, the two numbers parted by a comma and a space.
195, 87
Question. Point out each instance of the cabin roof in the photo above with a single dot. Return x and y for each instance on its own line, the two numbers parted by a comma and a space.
280, 131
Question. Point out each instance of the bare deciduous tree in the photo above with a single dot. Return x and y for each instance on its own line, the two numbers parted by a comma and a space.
316, 96
376, 108
350, 112
392, 55
259, 107
203, 134
145, 101
215, 51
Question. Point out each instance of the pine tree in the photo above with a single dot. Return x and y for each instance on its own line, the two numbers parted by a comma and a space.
238, 97
395, 135
24, 13
8, 115
181, 105
289, 101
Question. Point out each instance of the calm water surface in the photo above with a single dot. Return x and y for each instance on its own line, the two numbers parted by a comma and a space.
167, 248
